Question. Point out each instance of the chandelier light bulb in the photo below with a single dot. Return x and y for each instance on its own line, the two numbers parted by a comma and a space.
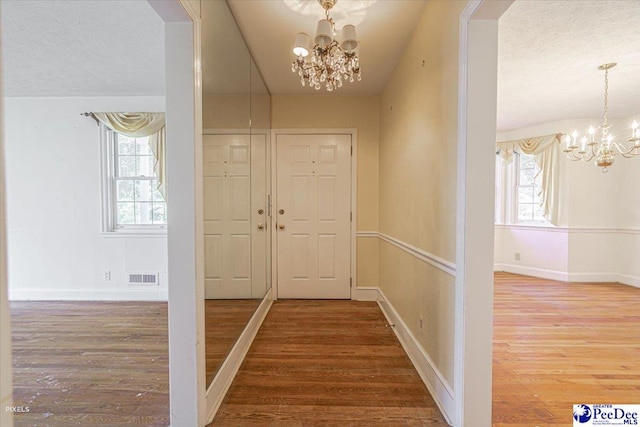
300, 48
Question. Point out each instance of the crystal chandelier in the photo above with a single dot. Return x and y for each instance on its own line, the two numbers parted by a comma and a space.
331, 62
602, 151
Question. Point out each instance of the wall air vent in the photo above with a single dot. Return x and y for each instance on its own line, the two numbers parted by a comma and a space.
144, 279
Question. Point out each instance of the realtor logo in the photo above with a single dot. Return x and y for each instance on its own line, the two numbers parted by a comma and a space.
582, 413
605, 415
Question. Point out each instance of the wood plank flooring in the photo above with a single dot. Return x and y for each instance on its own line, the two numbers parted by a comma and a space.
329, 363
224, 322
90, 363
556, 344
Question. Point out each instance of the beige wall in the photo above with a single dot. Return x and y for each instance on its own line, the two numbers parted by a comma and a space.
418, 143
361, 112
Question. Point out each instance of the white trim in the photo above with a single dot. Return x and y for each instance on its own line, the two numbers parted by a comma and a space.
229, 368
440, 263
434, 260
367, 234
575, 230
477, 79
562, 276
120, 294
160, 234
437, 385
543, 273
353, 132
365, 294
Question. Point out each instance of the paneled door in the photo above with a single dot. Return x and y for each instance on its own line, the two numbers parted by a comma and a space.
313, 216
234, 214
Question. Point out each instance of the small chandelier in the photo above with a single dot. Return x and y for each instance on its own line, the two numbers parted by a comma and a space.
331, 62
603, 151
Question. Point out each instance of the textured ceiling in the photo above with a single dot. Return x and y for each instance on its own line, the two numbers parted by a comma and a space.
549, 52
384, 27
81, 48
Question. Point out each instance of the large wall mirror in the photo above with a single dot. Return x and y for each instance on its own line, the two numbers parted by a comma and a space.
236, 121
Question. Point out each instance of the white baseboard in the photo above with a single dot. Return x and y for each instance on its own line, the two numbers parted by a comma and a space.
439, 388
624, 279
561, 276
229, 368
533, 271
365, 294
121, 294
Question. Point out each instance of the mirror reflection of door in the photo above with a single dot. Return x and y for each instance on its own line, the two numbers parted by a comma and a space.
235, 183
234, 217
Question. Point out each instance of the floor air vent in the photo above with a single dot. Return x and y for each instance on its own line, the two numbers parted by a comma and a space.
143, 279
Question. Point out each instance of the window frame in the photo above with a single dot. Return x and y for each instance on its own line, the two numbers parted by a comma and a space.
108, 153
515, 199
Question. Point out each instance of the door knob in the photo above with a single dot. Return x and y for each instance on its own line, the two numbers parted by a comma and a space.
260, 226
281, 211
260, 211
281, 226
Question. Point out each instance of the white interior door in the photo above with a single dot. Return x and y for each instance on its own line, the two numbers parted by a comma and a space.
231, 218
313, 216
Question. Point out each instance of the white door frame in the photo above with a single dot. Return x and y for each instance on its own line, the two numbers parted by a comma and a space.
477, 94
353, 132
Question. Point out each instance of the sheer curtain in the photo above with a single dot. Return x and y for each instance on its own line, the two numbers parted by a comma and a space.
138, 125
546, 154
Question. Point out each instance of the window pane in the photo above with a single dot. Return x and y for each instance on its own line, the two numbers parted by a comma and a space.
538, 213
526, 177
159, 213
527, 162
155, 194
142, 146
124, 191
525, 212
143, 213
126, 145
145, 165
143, 190
525, 194
126, 166
126, 213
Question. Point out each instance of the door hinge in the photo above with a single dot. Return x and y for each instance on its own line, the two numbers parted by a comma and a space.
352, 150
350, 216
351, 281
269, 205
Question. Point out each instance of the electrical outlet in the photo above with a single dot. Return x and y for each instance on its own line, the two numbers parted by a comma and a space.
517, 256
421, 322
107, 276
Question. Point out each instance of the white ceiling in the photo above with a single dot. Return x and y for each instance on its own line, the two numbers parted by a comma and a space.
269, 27
81, 48
549, 52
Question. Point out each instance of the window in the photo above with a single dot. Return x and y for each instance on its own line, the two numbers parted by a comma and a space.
131, 200
528, 190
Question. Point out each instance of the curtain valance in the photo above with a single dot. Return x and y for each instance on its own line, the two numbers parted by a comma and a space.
138, 125
545, 152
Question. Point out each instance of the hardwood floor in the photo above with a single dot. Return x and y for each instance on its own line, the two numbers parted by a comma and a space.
329, 363
224, 322
90, 363
557, 344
